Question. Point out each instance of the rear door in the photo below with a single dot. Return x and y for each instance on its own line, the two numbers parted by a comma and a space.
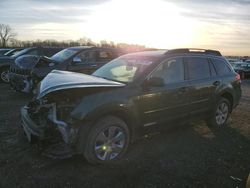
202, 86
168, 102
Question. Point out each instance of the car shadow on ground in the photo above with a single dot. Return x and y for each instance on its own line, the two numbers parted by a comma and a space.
188, 156
194, 156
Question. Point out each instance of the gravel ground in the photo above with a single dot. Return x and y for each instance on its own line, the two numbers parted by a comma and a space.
190, 156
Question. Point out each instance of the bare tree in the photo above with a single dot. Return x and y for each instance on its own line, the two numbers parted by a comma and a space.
6, 34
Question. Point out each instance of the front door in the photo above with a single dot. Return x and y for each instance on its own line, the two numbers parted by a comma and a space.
168, 102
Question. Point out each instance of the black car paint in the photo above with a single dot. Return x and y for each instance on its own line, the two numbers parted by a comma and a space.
3, 51
40, 68
13, 51
142, 105
7, 61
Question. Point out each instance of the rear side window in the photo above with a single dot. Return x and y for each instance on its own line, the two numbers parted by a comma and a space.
104, 55
198, 68
87, 57
33, 52
50, 51
221, 67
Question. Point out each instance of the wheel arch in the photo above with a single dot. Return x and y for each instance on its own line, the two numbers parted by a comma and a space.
227, 95
85, 127
124, 115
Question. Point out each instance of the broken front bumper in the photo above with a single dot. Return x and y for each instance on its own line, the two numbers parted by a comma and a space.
29, 126
63, 147
20, 82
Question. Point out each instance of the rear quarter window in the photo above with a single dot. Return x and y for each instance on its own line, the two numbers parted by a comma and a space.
221, 67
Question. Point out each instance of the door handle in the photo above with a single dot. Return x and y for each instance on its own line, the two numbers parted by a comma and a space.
93, 65
216, 83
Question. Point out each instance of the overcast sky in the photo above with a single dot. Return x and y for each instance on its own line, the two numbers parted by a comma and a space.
217, 24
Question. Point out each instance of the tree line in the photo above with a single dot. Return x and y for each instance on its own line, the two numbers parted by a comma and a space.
8, 39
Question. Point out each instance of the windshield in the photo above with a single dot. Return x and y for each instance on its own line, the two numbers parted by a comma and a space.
63, 55
123, 69
22, 52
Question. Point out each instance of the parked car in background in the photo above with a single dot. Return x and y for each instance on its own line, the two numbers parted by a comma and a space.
243, 69
28, 71
234, 60
6, 61
13, 51
247, 61
4, 50
99, 115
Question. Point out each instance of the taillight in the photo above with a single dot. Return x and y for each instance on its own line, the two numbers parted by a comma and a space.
237, 78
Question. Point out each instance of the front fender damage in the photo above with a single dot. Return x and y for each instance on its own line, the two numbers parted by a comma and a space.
53, 116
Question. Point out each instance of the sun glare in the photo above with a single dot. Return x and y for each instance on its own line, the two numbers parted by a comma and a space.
154, 23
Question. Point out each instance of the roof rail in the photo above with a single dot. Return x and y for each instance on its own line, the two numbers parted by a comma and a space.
193, 50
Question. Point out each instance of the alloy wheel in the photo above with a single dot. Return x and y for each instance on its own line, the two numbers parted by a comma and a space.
4, 76
109, 143
222, 113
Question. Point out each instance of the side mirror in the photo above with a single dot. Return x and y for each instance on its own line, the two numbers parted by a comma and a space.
155, 82
76, 60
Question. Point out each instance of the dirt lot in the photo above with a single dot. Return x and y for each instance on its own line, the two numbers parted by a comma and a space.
191, 156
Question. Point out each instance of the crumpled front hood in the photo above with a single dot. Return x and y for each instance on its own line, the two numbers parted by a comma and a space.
62, 80
26, 61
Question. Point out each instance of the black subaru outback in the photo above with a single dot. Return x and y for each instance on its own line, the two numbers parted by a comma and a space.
98, 115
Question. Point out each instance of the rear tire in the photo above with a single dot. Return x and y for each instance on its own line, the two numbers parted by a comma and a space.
220, 113
106, 141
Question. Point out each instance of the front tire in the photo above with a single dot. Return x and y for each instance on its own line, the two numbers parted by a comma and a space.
4, 75
107, 141
221, 113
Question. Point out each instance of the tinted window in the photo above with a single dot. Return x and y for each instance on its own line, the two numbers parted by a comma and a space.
63, 55
50, 51
171, 71
198, 68
221, 67
33, 52
87, 57
104, 55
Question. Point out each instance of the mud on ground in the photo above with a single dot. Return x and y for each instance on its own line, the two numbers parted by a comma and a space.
191, 156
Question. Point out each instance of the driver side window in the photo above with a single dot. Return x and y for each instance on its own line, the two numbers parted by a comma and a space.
171, 71
86, 57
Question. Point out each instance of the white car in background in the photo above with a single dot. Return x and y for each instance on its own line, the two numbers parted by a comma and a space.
247, 61
234, 60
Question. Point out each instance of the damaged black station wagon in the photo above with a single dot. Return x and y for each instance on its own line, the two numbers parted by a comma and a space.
98, 115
